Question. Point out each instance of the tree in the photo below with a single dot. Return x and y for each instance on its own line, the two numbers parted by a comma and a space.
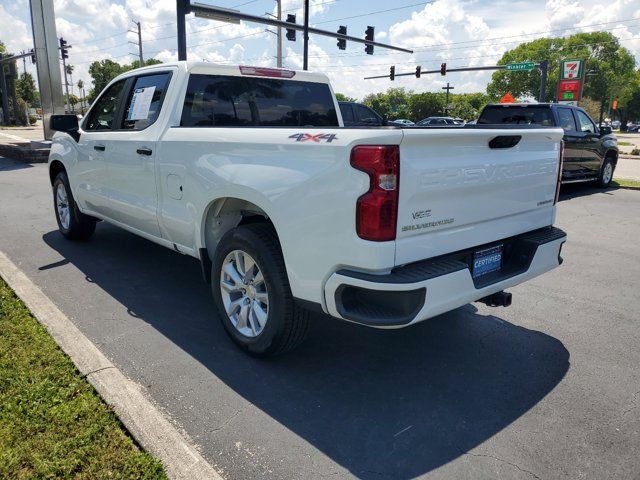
26, 89
104, 71
343, 98
609, 66
394, 103
69, 69
427, 104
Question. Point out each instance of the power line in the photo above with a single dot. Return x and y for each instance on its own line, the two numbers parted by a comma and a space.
376, 12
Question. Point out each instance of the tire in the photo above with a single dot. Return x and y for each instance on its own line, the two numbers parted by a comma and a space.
606, 173
285, 324
72, 223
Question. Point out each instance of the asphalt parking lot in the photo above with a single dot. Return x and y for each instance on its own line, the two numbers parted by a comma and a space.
548, 388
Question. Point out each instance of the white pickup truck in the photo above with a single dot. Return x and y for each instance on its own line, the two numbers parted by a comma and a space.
251, 171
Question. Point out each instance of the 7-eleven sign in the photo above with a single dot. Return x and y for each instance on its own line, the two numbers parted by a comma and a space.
570, 69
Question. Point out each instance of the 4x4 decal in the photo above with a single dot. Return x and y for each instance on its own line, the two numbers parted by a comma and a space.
305, 137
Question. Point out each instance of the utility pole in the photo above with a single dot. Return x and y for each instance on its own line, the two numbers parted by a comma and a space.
24, 62
305, 63
5, 94
279, 12
141, 58
182, 9
446, 105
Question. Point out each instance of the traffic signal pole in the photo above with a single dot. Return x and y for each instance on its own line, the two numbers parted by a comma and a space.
184, 7
443, 70
305, 56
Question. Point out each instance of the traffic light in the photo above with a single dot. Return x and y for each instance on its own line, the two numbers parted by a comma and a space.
392, 73
368, 35
64, 49
291, 33
443, 69
342, 43
33, 56
418, 71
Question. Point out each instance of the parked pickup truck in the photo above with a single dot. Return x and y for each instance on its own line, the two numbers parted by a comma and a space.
251, 171
590, 152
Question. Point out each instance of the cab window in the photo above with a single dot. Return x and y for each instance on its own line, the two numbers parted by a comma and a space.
144, 101
566, 120
104, 111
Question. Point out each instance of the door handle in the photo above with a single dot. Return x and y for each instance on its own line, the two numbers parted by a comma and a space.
100, 148
144, 151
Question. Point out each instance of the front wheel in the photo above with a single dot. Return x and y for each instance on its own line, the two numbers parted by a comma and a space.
252, 293
606, 173
72, 223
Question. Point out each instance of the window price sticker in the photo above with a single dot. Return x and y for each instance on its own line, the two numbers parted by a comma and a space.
141, 103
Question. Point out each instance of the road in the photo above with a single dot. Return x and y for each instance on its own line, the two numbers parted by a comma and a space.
547, 388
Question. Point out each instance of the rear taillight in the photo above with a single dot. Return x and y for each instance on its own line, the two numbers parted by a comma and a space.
560, 166
377, 210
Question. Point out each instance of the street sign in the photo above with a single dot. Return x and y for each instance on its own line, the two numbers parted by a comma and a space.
521, 67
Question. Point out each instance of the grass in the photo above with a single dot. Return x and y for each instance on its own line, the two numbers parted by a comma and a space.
624, 144
619, 182
53, 424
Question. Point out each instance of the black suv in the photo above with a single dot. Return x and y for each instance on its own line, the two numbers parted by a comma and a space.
590, 153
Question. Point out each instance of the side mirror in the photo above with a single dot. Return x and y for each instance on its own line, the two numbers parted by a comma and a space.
605, 131
65, 123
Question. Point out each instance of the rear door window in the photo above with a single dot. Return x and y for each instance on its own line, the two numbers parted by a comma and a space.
529, 115
144, 101
228, 101
566, 120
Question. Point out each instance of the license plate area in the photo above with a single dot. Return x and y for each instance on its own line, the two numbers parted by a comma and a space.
487, 260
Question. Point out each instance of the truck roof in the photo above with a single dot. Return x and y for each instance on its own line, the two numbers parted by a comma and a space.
234, 70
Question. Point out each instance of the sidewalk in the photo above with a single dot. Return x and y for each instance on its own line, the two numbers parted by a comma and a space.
628, 169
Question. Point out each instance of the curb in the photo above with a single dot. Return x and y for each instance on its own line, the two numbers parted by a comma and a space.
24, 153
141, 417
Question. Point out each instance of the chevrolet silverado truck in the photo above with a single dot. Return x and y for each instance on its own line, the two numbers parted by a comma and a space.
590, 152
251, 171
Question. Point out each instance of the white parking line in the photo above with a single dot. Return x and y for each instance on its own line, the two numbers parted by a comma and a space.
142, 418
13, 137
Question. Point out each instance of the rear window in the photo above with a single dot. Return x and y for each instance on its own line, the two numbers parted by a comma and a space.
517, 115
227, 101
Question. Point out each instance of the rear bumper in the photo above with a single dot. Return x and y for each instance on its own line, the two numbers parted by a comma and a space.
421, 290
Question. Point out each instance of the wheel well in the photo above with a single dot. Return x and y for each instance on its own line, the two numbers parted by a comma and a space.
227, 213
613, 155
54, 169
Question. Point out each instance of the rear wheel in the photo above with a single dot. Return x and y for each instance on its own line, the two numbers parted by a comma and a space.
252, 293
606, 173
72, 223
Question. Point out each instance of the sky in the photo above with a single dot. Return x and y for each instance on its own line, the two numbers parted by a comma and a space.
458, 32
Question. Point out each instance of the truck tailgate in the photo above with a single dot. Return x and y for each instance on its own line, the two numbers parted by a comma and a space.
457, 192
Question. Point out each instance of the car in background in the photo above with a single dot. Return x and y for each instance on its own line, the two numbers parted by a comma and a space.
437, 122
616, 124
633, 128
359, 115
403, 122
590, 152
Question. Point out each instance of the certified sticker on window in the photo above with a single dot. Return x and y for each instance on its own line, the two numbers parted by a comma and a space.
141, 103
